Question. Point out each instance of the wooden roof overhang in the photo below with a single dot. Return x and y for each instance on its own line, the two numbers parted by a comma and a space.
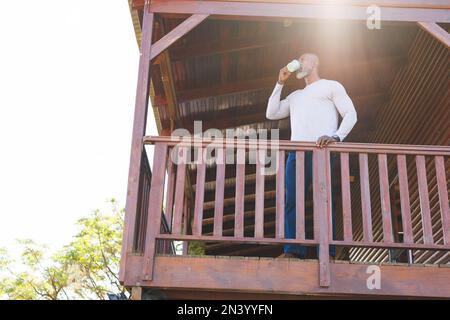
217, 61
228, 64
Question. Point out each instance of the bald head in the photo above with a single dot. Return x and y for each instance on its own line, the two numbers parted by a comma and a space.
310, 63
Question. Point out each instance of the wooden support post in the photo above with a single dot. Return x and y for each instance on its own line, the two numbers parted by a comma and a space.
322, 211
155, 208
136, 293
139, 124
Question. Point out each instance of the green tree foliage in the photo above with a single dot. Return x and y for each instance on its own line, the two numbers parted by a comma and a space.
86, 268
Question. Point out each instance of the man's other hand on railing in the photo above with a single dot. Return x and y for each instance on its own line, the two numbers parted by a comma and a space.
325, 140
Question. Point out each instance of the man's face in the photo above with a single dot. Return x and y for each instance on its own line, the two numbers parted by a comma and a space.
307, 64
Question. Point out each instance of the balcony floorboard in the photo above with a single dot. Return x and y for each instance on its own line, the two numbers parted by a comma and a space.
267, 276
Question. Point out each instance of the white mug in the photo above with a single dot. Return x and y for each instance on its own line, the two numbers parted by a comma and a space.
293, 66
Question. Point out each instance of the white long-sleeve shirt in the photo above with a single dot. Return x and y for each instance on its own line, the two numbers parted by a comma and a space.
314, 110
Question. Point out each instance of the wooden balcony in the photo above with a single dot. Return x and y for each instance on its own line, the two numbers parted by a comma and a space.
392, 221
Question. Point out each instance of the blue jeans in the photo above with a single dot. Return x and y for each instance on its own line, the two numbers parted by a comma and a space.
290, 207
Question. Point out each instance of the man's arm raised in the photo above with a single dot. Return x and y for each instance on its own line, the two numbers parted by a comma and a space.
277, 109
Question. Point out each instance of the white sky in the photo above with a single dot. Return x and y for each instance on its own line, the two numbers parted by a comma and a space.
68, 72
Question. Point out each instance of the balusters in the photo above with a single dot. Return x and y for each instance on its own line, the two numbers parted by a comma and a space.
220, 187
199, 193
424, 200
240, 191
155, 208
385, 198
404, 199
443, 197
259, 198
365, 197
170, 192
279, 226
300, 195
346, 200
179, 190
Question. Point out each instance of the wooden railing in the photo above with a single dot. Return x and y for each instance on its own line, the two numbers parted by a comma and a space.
435, 231
143, 206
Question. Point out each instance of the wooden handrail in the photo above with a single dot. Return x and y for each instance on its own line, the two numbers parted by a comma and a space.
306, 146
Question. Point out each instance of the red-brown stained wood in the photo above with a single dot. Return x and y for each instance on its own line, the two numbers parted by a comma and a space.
400, 12
220, 185
170, 192
240, 192
300, 195
385, 198
443, 197
139, 124
424, 200
175, 34
199, 193
274, 276
279, 231
322, 213
346, 201
259, 199
186, 219
328, 194
374, 148
365, 197
155, 208
404, 199
179, 190
315, 188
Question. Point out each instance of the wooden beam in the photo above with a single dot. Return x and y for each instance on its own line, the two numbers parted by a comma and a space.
219, 46
276, 276
139, 125
430, 4
436, 31
390, 11
165, 65
175, 34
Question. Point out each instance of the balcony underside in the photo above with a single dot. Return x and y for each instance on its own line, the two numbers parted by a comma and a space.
244, 277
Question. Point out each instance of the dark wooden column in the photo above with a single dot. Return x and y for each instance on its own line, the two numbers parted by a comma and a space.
139, 125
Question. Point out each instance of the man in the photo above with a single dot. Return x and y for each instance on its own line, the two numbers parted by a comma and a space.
313, 115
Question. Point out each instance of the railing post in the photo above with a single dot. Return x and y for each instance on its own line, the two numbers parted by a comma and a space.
322, 211
139, 124
155, 208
